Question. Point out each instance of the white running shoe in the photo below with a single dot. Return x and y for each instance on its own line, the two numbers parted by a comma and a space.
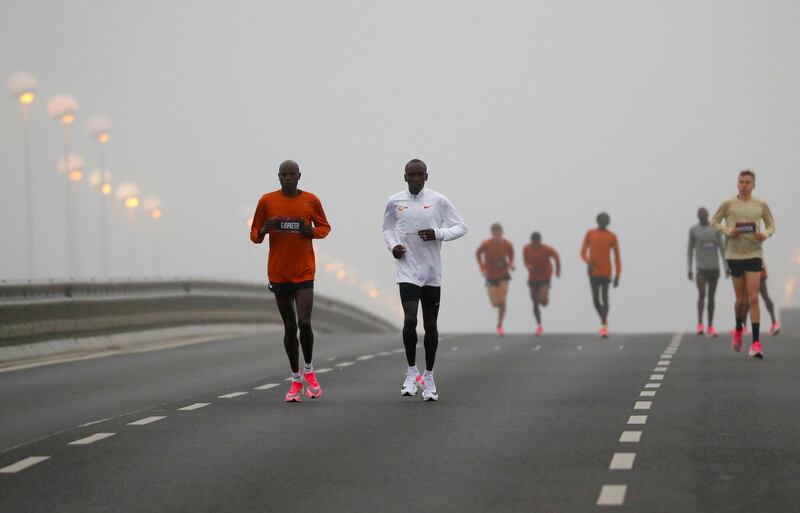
410, 384
429, 393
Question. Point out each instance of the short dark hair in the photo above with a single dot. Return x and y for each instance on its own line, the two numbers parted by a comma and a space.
496, 226
416, 163
749, 173
603, 214
536, 236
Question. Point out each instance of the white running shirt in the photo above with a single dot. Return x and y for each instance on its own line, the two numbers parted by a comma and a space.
407, 214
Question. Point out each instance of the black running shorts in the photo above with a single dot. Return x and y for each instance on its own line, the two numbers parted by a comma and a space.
709, 274
538, 283
289, 288
427, 295
750, 265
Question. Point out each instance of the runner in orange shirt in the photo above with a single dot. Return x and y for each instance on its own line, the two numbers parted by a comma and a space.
596, 252
495, 259
292, 218
537, 258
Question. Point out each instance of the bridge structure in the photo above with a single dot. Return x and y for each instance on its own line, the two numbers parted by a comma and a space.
167, 396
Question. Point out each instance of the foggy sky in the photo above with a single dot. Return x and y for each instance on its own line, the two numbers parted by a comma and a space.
537, 115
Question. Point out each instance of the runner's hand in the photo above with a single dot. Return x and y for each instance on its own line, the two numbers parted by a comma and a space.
398, 251
427, 235
760, 237
483, 272
691, 276
512, 267
733, 232
616, 281
558, 274
268, 226
307, 231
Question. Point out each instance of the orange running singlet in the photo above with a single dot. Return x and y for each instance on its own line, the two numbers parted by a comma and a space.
596, 251
291, 254
537, 260
495, 258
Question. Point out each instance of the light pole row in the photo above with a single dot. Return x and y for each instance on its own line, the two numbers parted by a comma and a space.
63, 109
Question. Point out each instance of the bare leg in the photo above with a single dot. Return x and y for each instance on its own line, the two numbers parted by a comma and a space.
286, 309
596, 286
304, 301
740, 307
535, 298
501, 294
767, 300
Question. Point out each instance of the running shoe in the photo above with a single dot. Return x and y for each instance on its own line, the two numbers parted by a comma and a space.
604, 331
429, 393
755, 350
775, 329
712, 332
412, 381
295, 393
736, 341
539, 331
700, 329
500, 331
313, 390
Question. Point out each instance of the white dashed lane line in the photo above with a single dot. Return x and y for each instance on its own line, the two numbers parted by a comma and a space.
657, 377
647, 393
268, 386
621, 347
663, 362
322, 371
642, 405
94, 422
622, 461
401, 350
344, 364
660, 369
145, 421
637, 419
496, 348
195, 406
630, 436
384, 353
365, 357
92, 439
536, 348
653, 385
232, 395
23, 464
454, 348
612, 495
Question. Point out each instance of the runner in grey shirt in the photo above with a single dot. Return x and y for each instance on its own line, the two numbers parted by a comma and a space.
706, 248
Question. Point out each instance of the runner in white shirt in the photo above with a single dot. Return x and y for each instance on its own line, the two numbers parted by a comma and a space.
415, 223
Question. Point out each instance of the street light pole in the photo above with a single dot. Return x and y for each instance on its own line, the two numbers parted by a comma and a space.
23, 87
63, 108
99, 128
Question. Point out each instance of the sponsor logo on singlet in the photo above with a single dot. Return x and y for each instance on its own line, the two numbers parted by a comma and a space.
290, 224
746, 227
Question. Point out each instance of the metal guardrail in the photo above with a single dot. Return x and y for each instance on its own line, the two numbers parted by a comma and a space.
47, 311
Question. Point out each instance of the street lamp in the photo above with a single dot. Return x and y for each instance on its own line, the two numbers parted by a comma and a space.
128, 193
23, 87
152, 204
63, 108
99, 128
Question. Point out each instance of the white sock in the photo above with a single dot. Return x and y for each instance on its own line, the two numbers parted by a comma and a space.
308, 367
413, 369
296, 376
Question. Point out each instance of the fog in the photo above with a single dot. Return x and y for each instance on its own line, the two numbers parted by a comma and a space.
537, 115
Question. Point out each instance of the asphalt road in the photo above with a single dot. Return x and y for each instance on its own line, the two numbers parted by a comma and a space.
522, 424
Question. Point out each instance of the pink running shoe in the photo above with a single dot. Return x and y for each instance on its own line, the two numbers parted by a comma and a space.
712, 332
736, 341
313, 390
539, 331
295, 392
700, 329
500, 331
755, 350
775, 329
604, 331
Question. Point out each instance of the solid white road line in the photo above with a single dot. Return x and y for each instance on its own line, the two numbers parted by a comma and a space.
657, 377
622, 461
660, 369
647, 393
92, 439
269, 385
653, 385
195, 406
642, 405
344, 364
630, 436
232, 395
23, 464
637, 419
95, 422
365, 357
612, 495
145, 421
